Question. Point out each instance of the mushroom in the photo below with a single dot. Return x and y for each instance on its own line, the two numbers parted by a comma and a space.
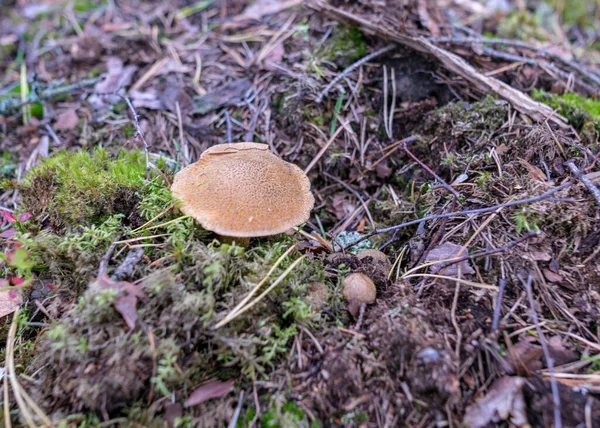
317, 295
242, 190
378, 258
358, 289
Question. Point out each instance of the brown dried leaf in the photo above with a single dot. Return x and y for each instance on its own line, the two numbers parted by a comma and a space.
66, 120
117, 77
447, 251
229, 94
126, 302
9, 304
504, 400
534, 172
525, 356
213, 389
541, 256
262, 8
551, 276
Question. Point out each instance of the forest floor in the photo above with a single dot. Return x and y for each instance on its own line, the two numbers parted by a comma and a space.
460, 140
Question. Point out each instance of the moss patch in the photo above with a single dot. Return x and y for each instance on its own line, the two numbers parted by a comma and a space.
581, 112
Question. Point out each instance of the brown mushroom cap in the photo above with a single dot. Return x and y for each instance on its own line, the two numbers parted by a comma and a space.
244, 190
379, 258
317, 295
359, 288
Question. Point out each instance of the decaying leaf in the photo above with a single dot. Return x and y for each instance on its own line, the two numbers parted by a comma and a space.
260, 8
117, 76
229, 94
504, 400
9, 302
525, 356
209, 390
126, 301
66, 120
448, 251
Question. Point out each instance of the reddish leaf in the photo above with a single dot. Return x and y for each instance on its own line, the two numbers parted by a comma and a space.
15, 280
24, 217
213, 389
9, 233
7, 216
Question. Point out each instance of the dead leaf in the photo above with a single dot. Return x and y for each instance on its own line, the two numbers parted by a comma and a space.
229, 94
9, 302
66, 120
126, 301
504, 400
172, 412
213, 389
525, 356
551, 276
260, 8
117, 77
147, 100
342, 207
275, 56
541, 256
559, 353
534, 172
447, 251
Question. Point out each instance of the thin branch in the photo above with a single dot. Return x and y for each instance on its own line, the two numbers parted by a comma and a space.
549, 359
429, 170
586, 181
138, 129
353, 67
498, 308
543, 196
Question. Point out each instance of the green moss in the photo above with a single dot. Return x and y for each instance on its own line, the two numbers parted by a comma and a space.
84, 188
347, 44
581, 112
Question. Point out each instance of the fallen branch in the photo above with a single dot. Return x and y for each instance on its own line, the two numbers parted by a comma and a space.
520, 101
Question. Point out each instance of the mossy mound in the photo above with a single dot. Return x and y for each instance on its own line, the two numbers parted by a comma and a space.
84, 188
93, 360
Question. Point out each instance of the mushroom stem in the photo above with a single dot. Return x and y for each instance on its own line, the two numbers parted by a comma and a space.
240, 242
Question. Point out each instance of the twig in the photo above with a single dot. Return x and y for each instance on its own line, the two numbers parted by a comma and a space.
253, 121
238, 409
429, 170
138, 129
106, 259
544, 195
323, 149
126, 268
498, 308
549, 359
586, 181
502, 249
522, 45
229, 130
353, 67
